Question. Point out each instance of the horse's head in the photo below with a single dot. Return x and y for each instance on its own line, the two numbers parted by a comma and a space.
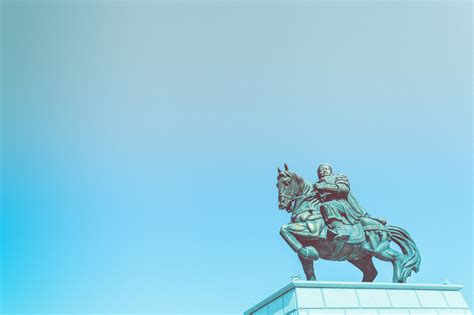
289, 186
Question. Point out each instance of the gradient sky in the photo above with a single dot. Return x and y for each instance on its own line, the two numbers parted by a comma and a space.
140, 143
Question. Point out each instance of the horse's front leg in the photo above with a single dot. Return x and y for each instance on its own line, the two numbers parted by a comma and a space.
308, 268
286, 232
289, 233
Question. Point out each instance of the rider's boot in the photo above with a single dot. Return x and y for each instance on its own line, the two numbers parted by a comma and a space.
308, 252
340, 230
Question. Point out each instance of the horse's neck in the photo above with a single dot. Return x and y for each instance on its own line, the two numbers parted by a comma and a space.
303, 203
304, 188
307, 188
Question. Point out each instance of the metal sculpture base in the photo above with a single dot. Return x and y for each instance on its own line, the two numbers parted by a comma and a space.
348, 298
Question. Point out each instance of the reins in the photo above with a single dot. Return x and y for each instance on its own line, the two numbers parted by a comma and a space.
303, 196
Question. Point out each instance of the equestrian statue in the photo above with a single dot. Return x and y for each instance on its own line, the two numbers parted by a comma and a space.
327, 222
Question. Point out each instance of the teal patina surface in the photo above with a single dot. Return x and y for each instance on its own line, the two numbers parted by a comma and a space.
327, 222
346, 298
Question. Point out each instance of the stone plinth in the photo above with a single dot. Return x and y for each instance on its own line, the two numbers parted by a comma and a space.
350, 298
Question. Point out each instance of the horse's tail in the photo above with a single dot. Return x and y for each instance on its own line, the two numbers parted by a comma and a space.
412, 259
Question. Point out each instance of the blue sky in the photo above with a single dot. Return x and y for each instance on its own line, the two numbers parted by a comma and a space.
140, 143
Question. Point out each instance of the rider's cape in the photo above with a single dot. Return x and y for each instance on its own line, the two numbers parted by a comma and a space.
344, 203
356, 210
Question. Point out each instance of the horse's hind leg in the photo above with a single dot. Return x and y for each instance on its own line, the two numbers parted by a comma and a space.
366, 265
308, 268
395, 258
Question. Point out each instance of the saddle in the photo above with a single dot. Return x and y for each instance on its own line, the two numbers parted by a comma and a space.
357, 234
367, 224
373, 224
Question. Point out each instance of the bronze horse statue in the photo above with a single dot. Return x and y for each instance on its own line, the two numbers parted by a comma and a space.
308, 234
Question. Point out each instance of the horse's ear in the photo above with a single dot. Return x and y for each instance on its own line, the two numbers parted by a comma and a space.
286, 167
279, 170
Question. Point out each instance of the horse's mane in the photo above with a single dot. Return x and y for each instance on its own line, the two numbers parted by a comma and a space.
307, 186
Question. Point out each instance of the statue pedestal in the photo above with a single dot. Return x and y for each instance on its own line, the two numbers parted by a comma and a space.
348, 298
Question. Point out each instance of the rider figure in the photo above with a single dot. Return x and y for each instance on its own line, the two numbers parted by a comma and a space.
338, 207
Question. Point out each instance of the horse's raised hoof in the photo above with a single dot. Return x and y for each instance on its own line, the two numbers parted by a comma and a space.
308, 252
